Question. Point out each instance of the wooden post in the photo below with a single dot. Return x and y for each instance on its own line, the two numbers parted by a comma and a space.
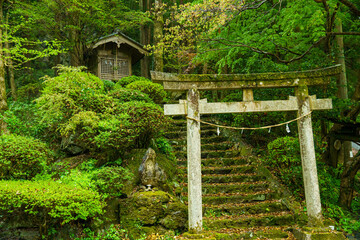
308, 160
194, 162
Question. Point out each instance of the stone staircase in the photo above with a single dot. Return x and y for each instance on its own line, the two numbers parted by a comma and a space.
238, 202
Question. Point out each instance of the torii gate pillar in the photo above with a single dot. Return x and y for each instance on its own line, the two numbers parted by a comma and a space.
308, 159
194, 161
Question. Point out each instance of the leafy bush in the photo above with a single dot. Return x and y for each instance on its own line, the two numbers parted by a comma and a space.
29, 91
49, 199
75, 105
128, 95
110, 180
284, 152
22, 157
147, 119
284, 157
155, 91
24, 119
96, 131
108, 85
69, 93
123, 82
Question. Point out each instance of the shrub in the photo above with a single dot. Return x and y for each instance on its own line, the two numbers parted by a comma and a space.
110, 180
75, 106
24, 119
29, 91
69, 93
123, 82
108, 85
284, 157
127, 95
155, 91
147, 119
22, 157
49, 199
284, 152
96, 131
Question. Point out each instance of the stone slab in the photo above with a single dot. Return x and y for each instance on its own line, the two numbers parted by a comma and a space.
317, 234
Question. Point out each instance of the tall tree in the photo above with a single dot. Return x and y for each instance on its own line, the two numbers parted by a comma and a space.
3, 102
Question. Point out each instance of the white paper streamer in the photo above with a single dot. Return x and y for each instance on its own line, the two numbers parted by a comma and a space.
269, 130
218, 131
287, 128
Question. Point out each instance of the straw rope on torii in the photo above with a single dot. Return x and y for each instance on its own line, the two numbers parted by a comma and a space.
249, 128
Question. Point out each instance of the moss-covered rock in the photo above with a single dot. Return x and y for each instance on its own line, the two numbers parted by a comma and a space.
152, 212
133, 160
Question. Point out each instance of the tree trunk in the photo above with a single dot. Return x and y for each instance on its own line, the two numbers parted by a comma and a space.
158, 35
3, 102
342, 82
10, 64
77, 53
145, 35
351, 167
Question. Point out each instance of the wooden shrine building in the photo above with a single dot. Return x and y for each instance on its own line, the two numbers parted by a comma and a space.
113, 56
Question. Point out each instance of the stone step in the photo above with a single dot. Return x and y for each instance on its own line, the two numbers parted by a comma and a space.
213, 162
224, 198
177, 134
210, 154
213, 188
226, 145
260, 232
234, 169
244, 208
182, 141
254, 220
229, 178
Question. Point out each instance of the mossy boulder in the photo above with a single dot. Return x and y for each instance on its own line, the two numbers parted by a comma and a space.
155, 211
133, 160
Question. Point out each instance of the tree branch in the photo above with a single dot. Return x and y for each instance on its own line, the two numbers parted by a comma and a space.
344, 33
227, 42
351, 6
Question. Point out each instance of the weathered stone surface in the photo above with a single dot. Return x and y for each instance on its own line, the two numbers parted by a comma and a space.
317, 234
194, 161
179, 82
156, 211
150, 171
248, 106
70, 147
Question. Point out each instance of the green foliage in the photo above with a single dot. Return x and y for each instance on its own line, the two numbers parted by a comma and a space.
108, 85
284, 159
49, 199
345, 220
29, 91
128, 95
109, 181
24, 119
284, 152
147, 119
123, 82
22, 157
164, 146
154, 90
75, 105
114, 232
68, 94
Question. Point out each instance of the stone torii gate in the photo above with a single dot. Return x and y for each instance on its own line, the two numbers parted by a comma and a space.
193, 107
